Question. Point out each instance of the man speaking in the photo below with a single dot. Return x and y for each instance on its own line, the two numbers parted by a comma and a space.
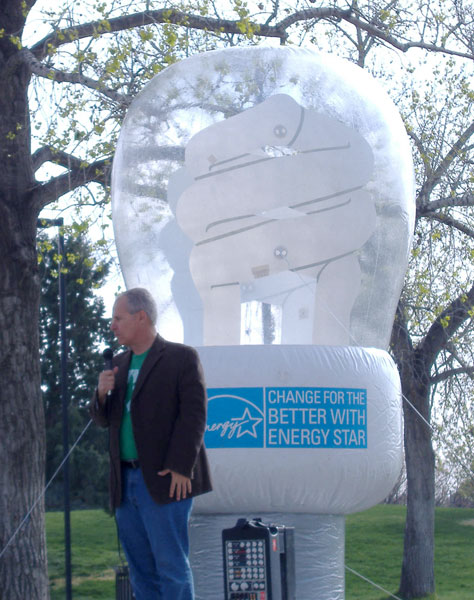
153, 400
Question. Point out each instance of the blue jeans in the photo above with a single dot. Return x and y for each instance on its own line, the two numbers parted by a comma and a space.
155, 540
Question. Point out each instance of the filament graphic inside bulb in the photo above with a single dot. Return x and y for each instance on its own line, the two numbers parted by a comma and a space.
277, 182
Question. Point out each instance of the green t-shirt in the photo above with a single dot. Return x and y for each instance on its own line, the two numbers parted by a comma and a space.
128, 450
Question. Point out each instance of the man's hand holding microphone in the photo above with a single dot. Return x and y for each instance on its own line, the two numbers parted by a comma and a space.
106, 377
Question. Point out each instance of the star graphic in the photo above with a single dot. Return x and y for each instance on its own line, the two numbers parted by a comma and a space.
247, 424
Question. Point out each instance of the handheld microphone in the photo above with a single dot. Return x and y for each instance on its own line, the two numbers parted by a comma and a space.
108, 356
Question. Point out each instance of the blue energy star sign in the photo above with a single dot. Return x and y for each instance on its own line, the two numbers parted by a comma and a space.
284, 417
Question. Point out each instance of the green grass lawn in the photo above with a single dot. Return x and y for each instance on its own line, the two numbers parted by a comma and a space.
374, 548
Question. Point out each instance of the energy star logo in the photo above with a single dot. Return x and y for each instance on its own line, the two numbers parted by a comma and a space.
287, 417
235, 418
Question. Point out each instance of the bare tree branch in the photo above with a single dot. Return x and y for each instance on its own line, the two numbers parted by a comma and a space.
421, 151
77, 175
350, 17
439, 377
274, 13
153, 17
445, 326
465, 200
49, 154
279, 30
436, 176
454, 153
41, 70
447, 220
451, 348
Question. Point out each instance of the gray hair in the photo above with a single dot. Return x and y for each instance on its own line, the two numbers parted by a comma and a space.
140, 299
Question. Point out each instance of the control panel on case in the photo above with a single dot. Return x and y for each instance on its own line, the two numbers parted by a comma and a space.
245, 567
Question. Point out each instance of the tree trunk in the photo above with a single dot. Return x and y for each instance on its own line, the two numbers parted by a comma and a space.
23, 565
417, 576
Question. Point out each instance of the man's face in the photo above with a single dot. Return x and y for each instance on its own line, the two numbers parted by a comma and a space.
124, 325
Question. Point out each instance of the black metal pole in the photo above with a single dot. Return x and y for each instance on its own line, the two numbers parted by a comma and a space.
64, 401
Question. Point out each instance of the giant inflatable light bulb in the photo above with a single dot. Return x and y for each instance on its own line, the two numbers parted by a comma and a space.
266, 194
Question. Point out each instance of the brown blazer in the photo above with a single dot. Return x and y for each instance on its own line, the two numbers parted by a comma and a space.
169, 407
